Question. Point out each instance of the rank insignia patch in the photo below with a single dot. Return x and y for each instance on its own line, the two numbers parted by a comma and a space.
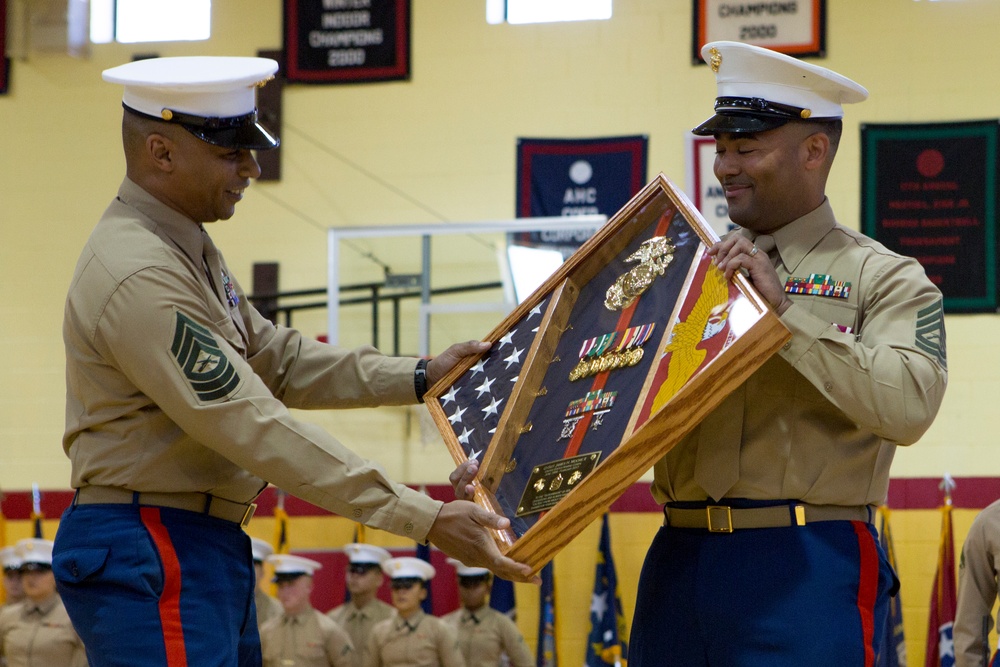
818, 284
930, 332
206, 367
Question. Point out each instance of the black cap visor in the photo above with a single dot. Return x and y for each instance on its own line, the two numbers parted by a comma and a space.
250, 137
287, 576
739, 123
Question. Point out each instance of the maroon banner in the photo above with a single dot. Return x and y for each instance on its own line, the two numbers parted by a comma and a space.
346, 41
4, 63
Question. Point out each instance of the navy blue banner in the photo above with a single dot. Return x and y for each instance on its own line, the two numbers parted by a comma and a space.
929, 191
565, 177
4, 63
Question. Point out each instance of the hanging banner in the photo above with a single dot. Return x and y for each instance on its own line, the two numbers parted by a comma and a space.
929, 191
4, 62
347, 41
795, 27
577, 177
703, 187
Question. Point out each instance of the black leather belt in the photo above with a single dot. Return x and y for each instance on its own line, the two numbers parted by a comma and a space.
725, 519
202, 503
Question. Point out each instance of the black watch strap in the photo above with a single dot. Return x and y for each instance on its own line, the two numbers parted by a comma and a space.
420, 379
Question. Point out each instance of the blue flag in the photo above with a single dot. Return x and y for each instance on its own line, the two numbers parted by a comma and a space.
424, 553
606, 644
893, 652
502, 597
546, 655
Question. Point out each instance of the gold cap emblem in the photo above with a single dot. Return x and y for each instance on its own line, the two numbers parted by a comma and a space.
805, 113
715, 59
167, 114
263, 82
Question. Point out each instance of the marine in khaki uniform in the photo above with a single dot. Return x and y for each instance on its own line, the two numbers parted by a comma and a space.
978, 572
267, 606
37, 632
485, 636
412, 638
364, 577
301, 636
12, 588
769, 500
179, 391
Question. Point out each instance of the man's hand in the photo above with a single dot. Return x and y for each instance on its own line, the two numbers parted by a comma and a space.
738, 252
439, 366
461, 531
463, 479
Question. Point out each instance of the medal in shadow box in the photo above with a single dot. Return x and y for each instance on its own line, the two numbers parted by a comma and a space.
601, 371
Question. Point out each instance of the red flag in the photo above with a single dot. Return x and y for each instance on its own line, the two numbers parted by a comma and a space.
940, 647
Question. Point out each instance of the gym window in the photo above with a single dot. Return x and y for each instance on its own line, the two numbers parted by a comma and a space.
132, 21
546, 11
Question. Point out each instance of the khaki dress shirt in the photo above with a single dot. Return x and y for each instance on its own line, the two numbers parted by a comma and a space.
175, 383
820, 421
977, 589
39, 636
309, 639
485, 635
267, 607
359, 622
420, 641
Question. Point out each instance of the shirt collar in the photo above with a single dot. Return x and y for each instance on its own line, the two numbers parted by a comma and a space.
794, 241
42, 609
410, 623
182, 230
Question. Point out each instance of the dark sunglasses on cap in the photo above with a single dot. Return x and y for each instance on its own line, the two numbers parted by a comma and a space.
363, 568
472, 582
403, 584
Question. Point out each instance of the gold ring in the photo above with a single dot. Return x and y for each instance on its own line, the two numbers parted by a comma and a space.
753, 250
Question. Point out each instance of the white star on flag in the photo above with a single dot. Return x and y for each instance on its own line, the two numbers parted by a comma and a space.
478, 368
474, 454
537, 310
507, 339
450, 396
456, 417
491, 409
484, 388
464, 436
599, 605
514, 358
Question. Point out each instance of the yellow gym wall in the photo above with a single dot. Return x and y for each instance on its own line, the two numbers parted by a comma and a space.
447, 139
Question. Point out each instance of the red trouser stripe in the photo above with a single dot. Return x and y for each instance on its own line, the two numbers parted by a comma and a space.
867, 587
170, 600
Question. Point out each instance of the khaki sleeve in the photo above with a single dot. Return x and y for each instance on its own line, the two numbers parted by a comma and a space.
890, 375
447, 645
513, 644
977, 590
162, 337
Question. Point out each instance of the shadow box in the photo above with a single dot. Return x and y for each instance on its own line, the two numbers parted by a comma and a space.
601, 371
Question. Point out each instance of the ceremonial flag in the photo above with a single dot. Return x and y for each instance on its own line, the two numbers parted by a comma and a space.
893, 653
36, 510
546, 655
502, 597
280, 525
3, 543
940, 648
606, 644
424, 553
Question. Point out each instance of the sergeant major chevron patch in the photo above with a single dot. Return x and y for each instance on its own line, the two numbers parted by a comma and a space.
204, 364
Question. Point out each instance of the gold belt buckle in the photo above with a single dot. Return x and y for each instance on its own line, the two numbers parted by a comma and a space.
251, 508
720, 518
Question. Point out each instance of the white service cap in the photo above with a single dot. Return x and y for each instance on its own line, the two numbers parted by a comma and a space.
213, 97
9, 559
287, 566
34, 551
261, 549
760, 89
408, 567
366, 554
464, 570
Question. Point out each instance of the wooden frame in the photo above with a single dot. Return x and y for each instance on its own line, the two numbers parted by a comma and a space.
588, 389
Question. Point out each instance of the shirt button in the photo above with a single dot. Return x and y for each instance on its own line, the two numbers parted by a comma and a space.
787, 345
357, 512
828, 386
408, 528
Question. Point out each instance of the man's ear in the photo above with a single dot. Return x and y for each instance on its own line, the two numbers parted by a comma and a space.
160, 149
817, 150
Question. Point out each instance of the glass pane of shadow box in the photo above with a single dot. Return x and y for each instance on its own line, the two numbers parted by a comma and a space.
601, 371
